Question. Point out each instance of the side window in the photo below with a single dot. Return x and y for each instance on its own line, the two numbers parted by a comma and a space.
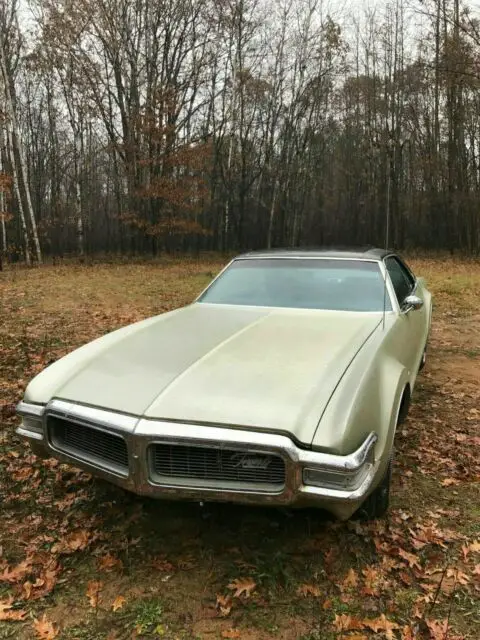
401, 279
407, 272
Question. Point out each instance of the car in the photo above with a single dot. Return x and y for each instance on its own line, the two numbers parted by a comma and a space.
282, 384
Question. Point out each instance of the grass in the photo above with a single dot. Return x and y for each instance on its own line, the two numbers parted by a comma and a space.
173, 562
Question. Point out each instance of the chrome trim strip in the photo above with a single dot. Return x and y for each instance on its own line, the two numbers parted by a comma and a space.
91, 415
350, 495
160, 431
31, 435
140, 433
31, 410
307, 257
117, 424
27, 410
202, 293
390, 290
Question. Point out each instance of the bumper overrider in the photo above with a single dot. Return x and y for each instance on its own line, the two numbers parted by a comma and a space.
198, 462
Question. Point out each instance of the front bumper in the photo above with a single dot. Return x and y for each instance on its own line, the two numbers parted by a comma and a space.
348, 479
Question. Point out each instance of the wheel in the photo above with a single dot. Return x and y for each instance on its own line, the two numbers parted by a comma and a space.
376, 505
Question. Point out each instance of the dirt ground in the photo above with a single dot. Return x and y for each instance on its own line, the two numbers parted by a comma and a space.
80, 559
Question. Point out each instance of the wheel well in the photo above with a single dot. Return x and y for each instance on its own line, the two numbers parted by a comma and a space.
404, 404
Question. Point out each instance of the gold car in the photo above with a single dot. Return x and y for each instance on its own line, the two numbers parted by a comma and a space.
282, 384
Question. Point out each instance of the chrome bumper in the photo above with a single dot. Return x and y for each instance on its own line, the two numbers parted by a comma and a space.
354, 474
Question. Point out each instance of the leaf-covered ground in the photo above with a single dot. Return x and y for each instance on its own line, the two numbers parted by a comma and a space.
80, 559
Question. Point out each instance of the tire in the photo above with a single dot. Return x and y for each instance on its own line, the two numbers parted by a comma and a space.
377, 503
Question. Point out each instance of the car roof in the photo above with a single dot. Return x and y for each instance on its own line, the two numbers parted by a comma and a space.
357, 253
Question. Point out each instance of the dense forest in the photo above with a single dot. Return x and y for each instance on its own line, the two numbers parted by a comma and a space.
143, 126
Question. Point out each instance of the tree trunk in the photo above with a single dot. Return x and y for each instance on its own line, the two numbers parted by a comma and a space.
13, 160
15, 135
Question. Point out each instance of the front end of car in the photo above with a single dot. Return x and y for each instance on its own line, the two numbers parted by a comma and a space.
199, 462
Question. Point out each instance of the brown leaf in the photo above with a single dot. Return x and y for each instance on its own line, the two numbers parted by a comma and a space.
371, 576
161, 564
43, 585
93, 592
449, 482
382, 624
458, 575
406, 578
351, 580
407, 633
75, 541
118, 603
109, 562
474, 547
411, 558
438, 629
308, 590
18, 572
49, 579
231, 633
27, 590
242, 586
45, 629
345, 622
6, 613
329, 558
224, 604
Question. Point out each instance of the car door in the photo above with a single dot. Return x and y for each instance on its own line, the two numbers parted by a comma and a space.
411, 324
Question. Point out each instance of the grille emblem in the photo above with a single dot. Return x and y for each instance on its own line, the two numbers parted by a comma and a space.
246, 461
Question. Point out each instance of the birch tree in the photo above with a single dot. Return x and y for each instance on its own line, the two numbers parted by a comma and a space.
9, 30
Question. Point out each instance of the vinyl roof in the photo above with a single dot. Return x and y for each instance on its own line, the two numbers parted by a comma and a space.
358, 253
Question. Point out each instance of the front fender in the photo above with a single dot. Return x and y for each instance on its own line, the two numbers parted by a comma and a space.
368, 398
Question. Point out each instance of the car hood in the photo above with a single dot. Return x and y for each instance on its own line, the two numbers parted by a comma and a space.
261, 368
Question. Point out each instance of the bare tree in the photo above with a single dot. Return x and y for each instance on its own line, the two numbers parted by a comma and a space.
8, 27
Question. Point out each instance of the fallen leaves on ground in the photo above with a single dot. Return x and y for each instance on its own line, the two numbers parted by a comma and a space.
76, 541
17, 573
309, 590
242, 586
45, 629
345, 622
411, 558
109, 562
93, 592
231, 633
381, 624
351, 580
224, 605
118, 603
8, 614
162, 564
450, 482
439, 630
55, 518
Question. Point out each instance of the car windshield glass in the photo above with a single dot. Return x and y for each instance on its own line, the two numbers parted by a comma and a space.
338, 285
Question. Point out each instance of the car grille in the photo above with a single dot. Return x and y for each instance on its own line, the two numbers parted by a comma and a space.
197, 466
99, 448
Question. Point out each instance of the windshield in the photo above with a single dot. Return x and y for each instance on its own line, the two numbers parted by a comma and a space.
337, 285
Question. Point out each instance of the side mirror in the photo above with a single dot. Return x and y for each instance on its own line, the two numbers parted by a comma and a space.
412, 303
